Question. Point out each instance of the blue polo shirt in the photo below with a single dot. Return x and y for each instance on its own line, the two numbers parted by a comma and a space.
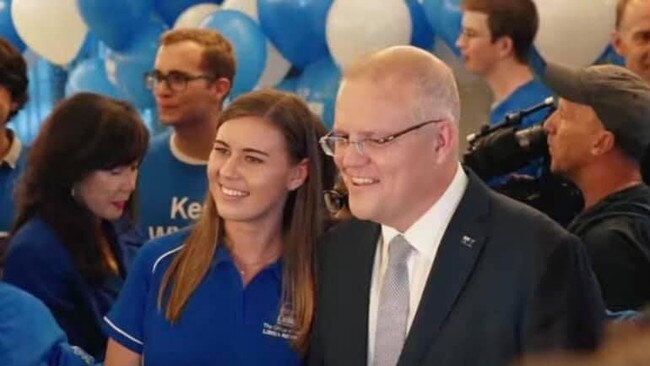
222, 323
11, 167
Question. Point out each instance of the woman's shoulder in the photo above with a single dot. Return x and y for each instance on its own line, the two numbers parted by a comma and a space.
35, 236
153, 252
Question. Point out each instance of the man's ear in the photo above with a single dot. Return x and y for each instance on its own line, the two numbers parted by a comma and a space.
299, 175
604, 142
506, 46
617, 43
446, 137
221, 87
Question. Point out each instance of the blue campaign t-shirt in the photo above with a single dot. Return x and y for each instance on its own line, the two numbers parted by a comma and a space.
223, 322
171, 188
524, 97
10, 170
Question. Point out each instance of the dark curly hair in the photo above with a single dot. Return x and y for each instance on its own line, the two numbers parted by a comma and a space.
13, 75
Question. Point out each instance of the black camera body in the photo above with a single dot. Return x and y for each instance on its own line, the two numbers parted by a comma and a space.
504, 148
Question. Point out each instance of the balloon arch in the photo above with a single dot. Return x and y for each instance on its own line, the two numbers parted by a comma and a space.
297, 45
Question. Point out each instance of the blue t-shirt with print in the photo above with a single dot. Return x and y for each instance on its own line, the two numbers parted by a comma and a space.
223, 322
171, 189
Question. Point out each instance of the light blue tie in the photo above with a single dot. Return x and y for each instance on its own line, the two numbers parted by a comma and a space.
393, 308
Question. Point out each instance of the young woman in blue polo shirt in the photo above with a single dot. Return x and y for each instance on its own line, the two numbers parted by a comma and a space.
237, 288
70, 243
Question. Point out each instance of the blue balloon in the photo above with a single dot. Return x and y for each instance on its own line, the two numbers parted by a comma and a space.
249, 44
7, 29
169, 10
610, 56
115, 22
89, 49
445, 17
422, 33
296, 28
318, 86
289, 84
126, 68
90, 75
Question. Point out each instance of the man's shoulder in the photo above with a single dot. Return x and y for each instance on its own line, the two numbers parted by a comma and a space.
511, 217
158, 146
350, 229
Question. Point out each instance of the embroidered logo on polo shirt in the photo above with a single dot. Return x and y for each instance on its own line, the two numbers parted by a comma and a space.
284, 326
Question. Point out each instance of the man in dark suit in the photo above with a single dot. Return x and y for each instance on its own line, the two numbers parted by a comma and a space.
437, 270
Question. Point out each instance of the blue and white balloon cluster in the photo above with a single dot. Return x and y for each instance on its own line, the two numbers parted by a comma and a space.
297, 45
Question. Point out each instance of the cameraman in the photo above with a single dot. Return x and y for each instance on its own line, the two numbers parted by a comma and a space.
596, 139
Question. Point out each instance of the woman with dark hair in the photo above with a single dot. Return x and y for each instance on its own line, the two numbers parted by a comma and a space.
70, 243
238, 287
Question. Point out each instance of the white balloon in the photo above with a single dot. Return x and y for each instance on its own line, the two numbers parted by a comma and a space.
358, 27
574, 32
53, 29
277, 66
193, 16
248, 7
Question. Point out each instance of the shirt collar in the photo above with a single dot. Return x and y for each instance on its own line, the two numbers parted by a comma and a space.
178, 154
430, 227
14, 150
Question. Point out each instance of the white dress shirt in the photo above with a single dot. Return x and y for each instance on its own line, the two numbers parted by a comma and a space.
424, 236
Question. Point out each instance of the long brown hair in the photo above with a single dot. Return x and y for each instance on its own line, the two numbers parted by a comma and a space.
84, 133
303, 215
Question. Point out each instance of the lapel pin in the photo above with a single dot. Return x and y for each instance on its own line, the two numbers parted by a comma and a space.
467, 241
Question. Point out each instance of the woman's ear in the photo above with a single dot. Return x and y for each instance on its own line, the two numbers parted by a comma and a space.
299, 175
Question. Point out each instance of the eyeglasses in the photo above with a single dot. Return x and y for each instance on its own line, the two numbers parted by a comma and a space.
335, 201
176, 81
332, 144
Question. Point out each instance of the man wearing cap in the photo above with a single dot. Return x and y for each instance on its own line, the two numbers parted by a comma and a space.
596, 138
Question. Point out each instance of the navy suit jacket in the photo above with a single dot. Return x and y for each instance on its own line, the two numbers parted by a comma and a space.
506, 281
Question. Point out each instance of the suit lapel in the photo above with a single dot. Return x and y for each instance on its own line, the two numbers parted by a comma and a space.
459, 250
358, 266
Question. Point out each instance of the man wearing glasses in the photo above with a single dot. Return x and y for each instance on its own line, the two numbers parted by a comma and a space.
193, 73
438, 269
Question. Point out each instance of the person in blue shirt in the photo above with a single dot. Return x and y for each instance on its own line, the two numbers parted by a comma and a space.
70, 245
193, 73
29, 335
13, 96
237, 288
495, 43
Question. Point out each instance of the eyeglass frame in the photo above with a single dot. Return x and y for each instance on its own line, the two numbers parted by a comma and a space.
335, 201
159, 76
381, 141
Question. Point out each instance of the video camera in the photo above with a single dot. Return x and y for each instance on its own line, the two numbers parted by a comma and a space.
494, 151
506, 147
